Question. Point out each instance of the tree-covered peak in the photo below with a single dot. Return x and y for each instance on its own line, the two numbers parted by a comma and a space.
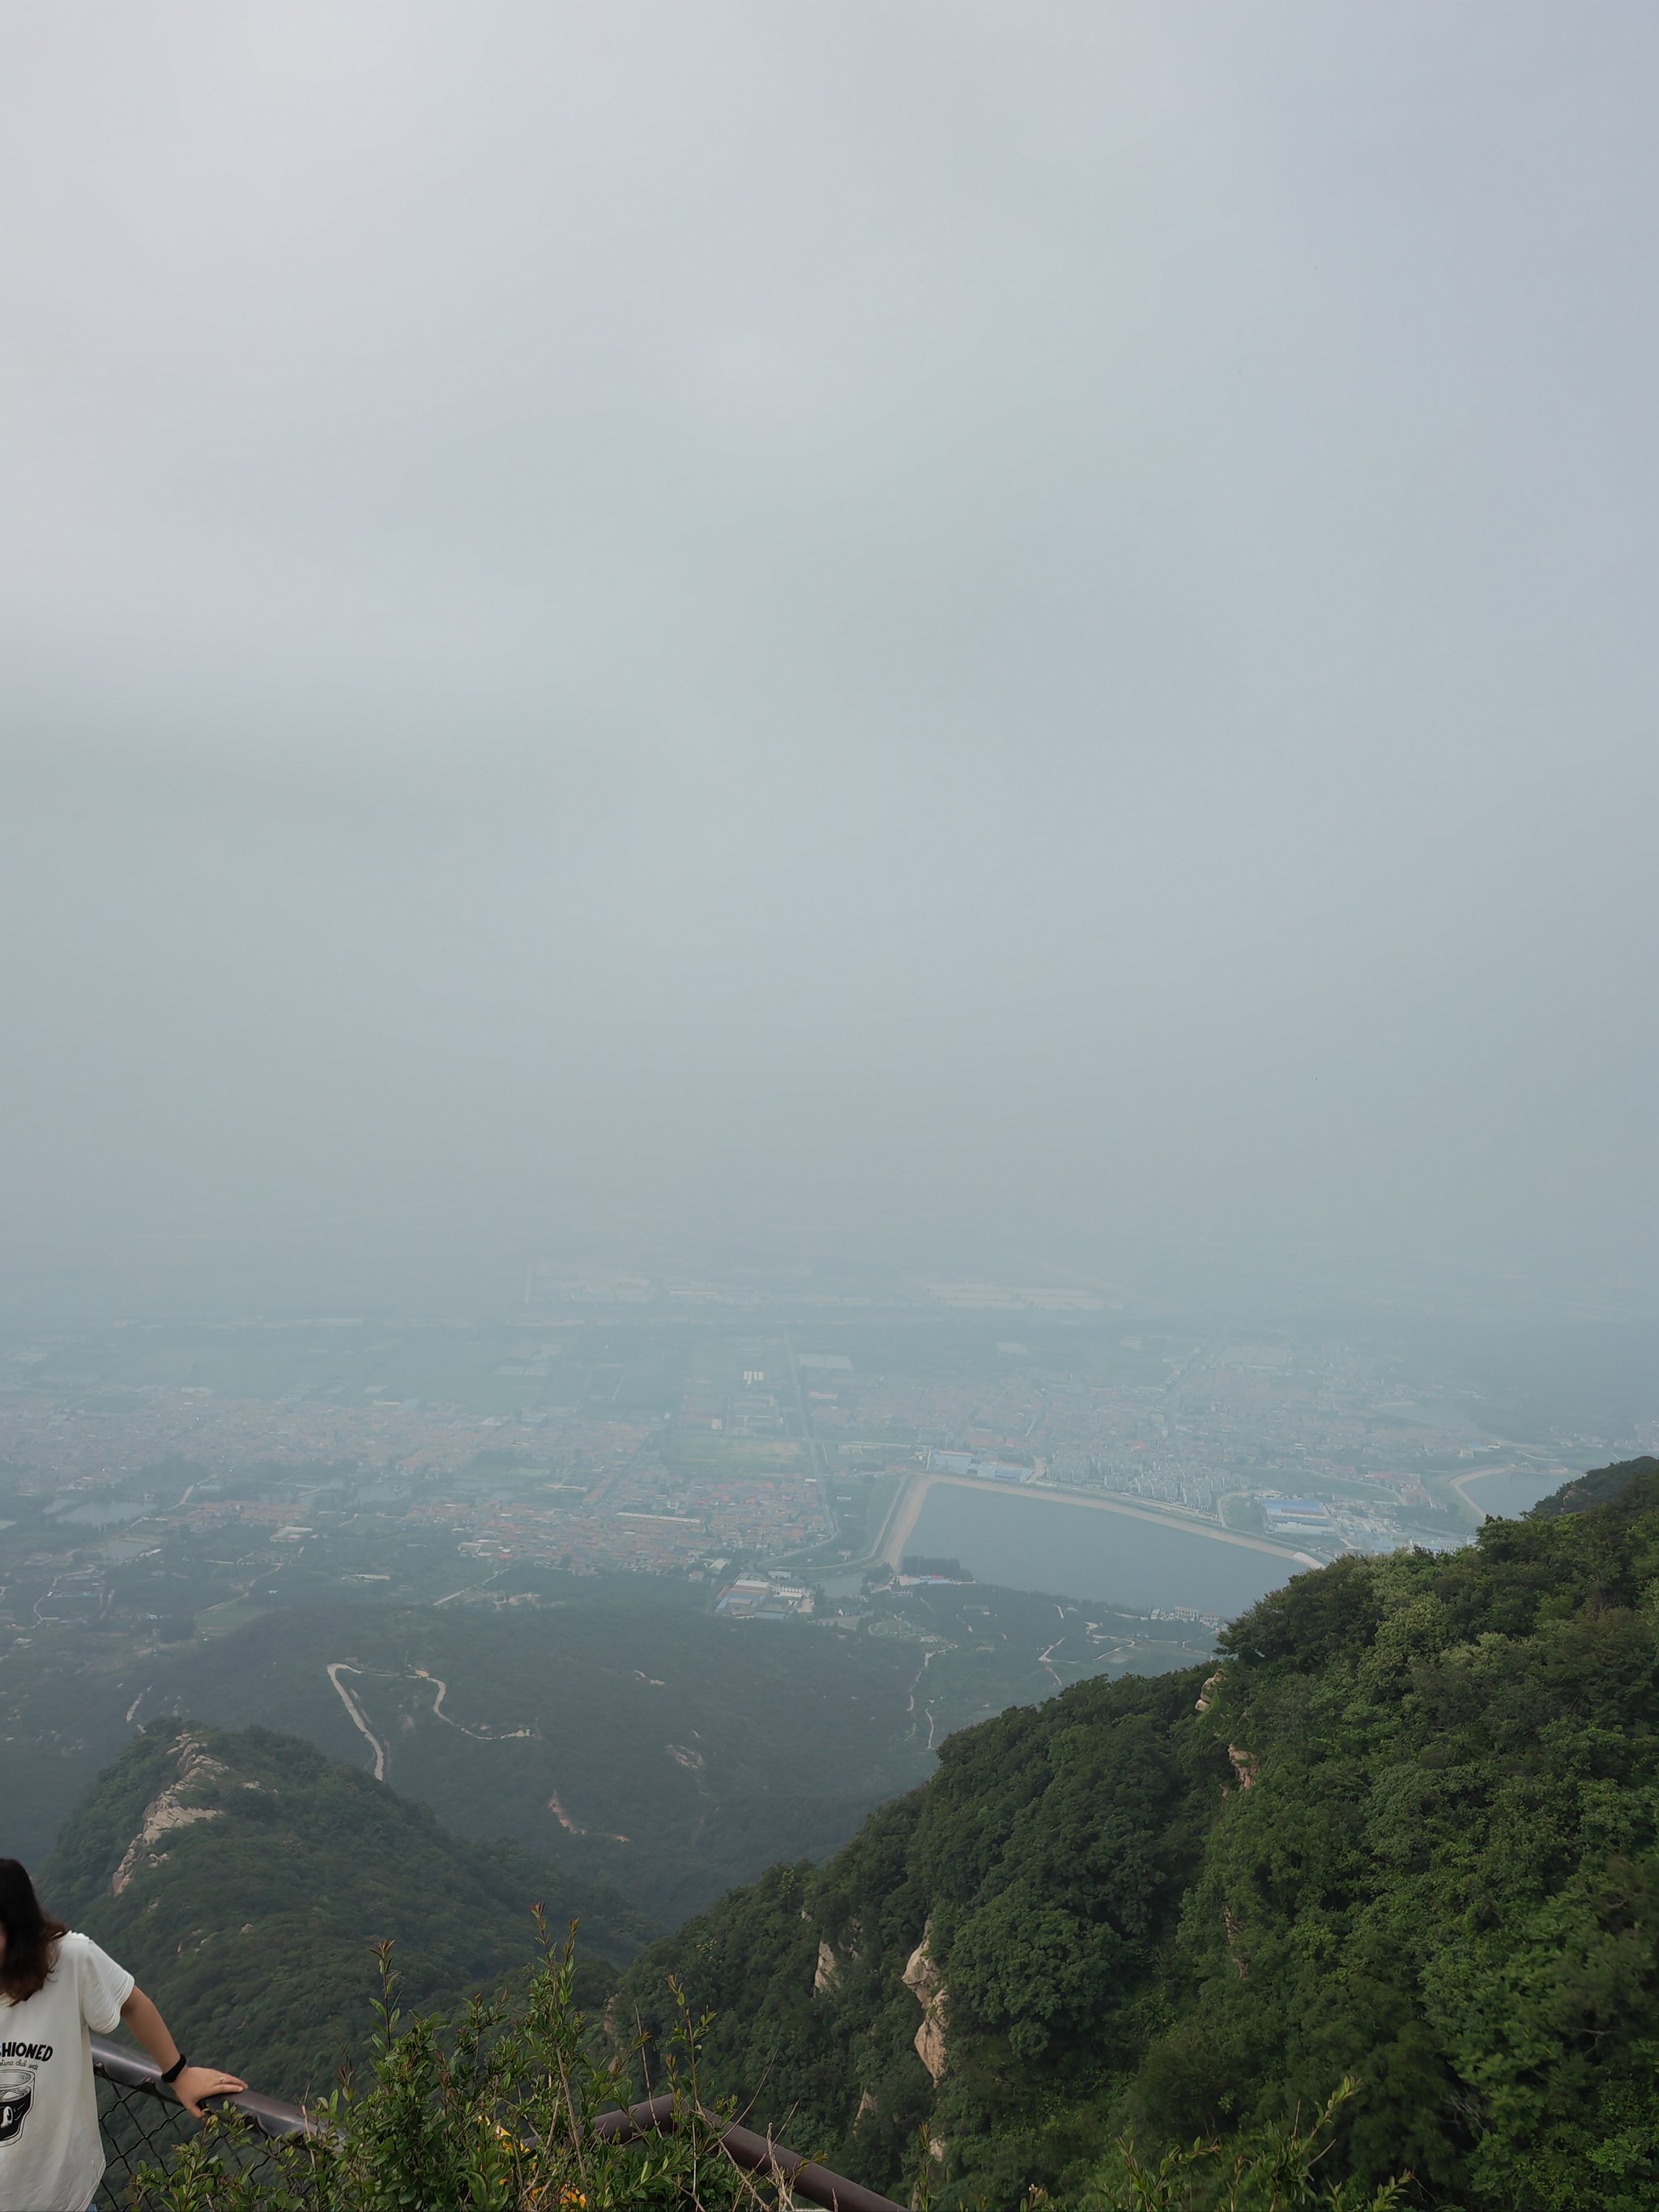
245, 1878
1405, 1832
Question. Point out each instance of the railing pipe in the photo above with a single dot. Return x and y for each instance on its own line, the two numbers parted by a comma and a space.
128, 2070
752, 2152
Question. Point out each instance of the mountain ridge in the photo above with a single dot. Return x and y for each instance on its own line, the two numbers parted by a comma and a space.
1405, 1830
245, 1879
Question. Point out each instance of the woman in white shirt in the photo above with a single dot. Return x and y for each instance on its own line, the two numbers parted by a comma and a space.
54, 1989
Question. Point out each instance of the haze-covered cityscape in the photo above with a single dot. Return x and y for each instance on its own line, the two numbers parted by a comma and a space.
791, 1445
650, 1426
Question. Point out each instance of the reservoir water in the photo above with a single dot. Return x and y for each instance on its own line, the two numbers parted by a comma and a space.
1508, 1495
98, 1513
1077, 1551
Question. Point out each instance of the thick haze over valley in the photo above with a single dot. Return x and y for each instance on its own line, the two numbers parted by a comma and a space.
886, 636
828, 1124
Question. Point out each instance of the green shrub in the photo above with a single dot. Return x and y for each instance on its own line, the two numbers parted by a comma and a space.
491, 2110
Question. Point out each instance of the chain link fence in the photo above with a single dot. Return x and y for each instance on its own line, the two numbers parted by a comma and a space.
142, 2120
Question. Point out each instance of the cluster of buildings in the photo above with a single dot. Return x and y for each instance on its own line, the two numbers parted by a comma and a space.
553, 1487
641, 1517
1322, 1450
761, 1597
982, 1466
103, 1435
1294, 1517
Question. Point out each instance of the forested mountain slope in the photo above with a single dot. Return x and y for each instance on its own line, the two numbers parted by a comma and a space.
634, 1739
1598, 1487
244, 1879
1406, 1831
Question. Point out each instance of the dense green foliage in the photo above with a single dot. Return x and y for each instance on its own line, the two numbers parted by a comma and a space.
1408, 1831
253, 1927
490, 2111
1598, 1487
501, 2110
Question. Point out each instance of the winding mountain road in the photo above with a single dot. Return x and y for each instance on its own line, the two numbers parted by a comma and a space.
336, 1669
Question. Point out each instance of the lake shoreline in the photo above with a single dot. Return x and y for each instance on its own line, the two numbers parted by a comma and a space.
1114, 1551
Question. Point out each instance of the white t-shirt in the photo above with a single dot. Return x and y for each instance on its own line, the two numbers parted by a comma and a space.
52, 2157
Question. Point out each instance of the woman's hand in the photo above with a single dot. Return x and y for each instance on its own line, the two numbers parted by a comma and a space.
191, 2083
198, 2082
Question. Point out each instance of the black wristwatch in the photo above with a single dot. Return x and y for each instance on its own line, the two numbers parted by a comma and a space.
176, 2068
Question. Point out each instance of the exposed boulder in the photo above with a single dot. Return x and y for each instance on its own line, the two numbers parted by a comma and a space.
926, 1985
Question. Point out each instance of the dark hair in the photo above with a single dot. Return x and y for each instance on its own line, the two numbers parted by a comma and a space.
30, 1935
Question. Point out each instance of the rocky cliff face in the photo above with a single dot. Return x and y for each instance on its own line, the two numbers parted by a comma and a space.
171, 1808
921, 1977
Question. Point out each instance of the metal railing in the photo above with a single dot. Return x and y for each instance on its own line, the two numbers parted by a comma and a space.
142, 2120
754, 2154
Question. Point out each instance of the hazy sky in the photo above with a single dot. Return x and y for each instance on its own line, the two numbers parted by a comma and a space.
976, 627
